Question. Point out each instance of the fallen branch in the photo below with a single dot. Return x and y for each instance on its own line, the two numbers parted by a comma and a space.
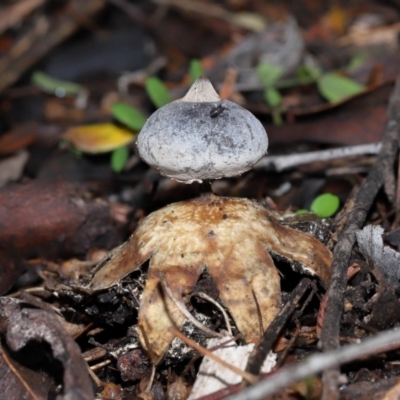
381, 174
280, 163
41, 38
383, 342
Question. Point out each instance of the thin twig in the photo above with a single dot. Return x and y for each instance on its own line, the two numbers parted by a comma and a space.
211, 11
216, 304
42, 37
263, 347
132, 11
381, 174
259, 314
205, 352
314, 289
153, 358
14, 370
94, 377
383, 342
15, 13
100, 365
397, 204
151, 379
280, 163
213, 348
291, 343
185, 311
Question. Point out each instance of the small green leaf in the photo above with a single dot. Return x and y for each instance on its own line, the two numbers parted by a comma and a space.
119, 158
195, 69
55, 86
269, 73
157, 92
336, 88
325, 205
302, 211
305, 73
356, 61
272, 97
129, 116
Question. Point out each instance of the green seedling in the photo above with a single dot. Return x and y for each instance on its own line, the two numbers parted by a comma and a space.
119, 158
269, 75
324, 206
356, 61
133, 119
195, 69
331, 85
274, 99
157, 92
57, 87
335, 87
307, 74
128, 116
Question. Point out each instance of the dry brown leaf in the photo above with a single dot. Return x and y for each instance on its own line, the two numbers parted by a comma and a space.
21, 324
18, 382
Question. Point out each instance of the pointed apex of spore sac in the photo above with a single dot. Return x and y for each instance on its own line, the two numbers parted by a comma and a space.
202, 91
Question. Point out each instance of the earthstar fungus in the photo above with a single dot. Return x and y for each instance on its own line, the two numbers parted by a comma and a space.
230, 238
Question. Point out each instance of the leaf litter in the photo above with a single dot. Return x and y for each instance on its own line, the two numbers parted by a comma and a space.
105, 319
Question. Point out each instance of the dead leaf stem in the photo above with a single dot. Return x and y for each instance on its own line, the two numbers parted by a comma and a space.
184, 310
16, 373
205, 296
151, 379
96, 380
205, 352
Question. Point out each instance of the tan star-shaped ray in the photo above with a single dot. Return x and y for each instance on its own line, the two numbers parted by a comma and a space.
230, 238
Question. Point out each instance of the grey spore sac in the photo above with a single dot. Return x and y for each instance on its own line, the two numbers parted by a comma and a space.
202, 137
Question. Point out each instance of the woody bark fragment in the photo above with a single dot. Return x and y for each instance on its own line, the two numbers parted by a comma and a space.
50, 220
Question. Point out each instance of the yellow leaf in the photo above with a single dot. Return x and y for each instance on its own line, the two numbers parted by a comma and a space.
99, 138
336, 20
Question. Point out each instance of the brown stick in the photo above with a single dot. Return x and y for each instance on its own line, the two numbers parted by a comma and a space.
205, 352
381, 174
44, 36
15, 13
263, 347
